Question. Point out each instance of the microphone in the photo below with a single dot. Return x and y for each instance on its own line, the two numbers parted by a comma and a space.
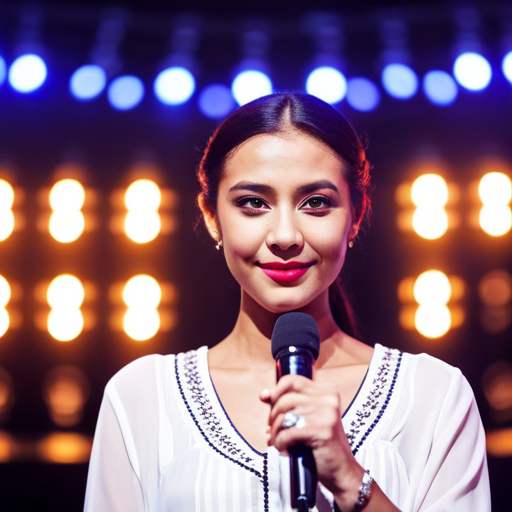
295, 347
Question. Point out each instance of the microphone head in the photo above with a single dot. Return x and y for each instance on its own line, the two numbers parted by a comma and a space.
295, 330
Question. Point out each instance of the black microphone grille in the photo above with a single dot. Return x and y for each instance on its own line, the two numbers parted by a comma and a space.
297, 330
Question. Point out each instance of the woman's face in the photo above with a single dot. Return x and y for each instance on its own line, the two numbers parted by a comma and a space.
284, 215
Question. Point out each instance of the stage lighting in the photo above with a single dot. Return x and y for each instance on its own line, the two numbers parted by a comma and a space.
142, 200
250, 85
142, 295
362, 94
67, 221
429, 193
327, 83
5, 296
174, 85
472, 71
65, 392
432, 291
506, 66
27, 73
439, 88
399, 81
495, 191
6, 396
65, 296
6, 213
87, 82
64, 448
495, 292
216, 101
125, 92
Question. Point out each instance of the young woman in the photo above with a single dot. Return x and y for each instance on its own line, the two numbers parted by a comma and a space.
284, 190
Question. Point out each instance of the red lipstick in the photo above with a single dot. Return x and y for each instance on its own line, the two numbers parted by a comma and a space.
284, 273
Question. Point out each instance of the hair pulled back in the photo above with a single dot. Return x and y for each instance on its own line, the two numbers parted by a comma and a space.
284, 112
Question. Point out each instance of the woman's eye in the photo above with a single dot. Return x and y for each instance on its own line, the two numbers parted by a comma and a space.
253, 203
315, 203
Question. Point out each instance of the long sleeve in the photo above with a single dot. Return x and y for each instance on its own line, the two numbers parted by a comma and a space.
455, 476
113, 484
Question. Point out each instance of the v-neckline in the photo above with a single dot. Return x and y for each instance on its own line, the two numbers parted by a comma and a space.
214, 423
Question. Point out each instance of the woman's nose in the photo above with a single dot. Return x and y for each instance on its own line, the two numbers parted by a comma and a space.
284, 233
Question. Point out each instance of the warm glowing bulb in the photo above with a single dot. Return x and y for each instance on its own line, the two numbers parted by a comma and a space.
143, 195
495, 188
5, 292
6, 224
495, 220
432, 288
429, 190
433, 320
430, 223
65, 291
6, 195
67, 195
142, 226
66, 226
142, 291
141, 323
65, 324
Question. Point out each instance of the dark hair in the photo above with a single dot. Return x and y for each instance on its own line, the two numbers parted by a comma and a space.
282, 112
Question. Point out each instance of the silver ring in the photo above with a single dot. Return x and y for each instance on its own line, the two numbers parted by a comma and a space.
293, 420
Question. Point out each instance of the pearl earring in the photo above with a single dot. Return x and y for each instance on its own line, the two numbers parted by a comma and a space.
351, 243
219, 245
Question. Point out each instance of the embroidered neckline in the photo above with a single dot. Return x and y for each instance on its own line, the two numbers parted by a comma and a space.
216, 428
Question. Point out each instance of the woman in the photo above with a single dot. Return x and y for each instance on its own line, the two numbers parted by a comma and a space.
284, 190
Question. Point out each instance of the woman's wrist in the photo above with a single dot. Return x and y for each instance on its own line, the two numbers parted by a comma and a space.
355, 491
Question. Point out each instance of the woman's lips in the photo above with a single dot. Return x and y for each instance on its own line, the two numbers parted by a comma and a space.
285, 272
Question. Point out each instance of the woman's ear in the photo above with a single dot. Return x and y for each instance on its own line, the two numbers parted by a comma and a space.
210, 221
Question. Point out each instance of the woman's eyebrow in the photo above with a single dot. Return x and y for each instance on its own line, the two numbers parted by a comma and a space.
253, 187
317, 185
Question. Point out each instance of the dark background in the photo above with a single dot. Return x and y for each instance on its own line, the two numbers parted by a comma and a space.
40, 130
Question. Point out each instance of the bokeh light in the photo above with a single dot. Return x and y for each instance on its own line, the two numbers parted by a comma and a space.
499, 442
64, 448
433, 321
27, 73
3, 70
327, 83
495, 288
216, 101
65, 296
142, 294
399, 81
362, 94
125, 92
472, 71
87, 82
174, 85
495, 191
250, 85
506, 66
65, 392
6, 213
439, 88
142, 200
67, 222
6, 394
429, 193
5, 296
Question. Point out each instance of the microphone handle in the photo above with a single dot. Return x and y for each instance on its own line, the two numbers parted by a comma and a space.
303, 475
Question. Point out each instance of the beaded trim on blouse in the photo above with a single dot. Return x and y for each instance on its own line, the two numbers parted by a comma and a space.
376, 403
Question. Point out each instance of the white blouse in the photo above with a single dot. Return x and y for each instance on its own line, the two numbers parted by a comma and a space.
163, 441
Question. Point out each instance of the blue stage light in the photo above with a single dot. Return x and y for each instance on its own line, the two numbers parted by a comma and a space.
125, 92
400, 81
362, 94
327, 83
174, 85
506, 66
440, 88
87, 82
27, 73
250, 85
472, 71
216, 101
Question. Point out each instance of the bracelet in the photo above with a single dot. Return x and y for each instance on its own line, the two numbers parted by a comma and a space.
365, 492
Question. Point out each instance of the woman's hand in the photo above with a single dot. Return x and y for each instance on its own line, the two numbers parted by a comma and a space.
319, 404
